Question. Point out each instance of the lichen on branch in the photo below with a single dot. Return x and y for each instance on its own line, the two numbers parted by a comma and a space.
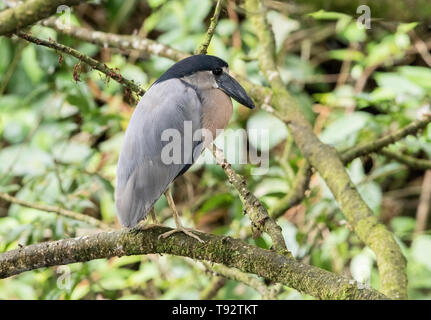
225, 250
325, 159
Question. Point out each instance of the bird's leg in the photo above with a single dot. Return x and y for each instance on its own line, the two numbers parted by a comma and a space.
144, 225
180, 228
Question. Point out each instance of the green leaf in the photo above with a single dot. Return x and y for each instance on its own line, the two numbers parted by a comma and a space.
372, 195
346, 54
22, 160
134, 73
31, 64
265, 131
282, 26
403, 225
406, 27
216, 201
418, 75
270, 186
398, 84
345, 126
71, 152
327, 15
5, 54
421, 248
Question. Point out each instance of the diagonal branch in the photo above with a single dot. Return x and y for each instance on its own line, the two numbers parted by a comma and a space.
124, 42
256, 211
225, 250
265, 291
391, 262
411, 162
111, 73
382, 142
208, 36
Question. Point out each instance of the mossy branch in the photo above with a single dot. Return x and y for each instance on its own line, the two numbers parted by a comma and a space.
224, 250
30, 12
209, 34
260, 219
382, 142
257, 212
411, 162
391, 262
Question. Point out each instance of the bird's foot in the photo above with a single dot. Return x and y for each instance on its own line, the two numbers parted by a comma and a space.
187, 231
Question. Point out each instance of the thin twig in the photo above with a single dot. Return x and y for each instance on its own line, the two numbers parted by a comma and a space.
125, 42
247, 279
111, 73
256, 211
60, 211
411, 162
424, 204
208, 36
213, 288
12, 67
380, 143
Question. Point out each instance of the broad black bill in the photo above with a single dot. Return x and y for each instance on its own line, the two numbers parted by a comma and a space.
232, 88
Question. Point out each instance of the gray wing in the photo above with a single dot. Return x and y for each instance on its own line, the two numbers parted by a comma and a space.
145, 168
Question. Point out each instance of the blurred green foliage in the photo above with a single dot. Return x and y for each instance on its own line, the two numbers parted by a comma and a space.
60, 140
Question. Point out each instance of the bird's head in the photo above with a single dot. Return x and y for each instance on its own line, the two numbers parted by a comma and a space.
208, 72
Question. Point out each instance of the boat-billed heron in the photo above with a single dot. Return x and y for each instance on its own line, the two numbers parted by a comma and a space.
195, 92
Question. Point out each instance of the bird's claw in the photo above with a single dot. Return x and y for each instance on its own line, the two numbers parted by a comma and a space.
187, 231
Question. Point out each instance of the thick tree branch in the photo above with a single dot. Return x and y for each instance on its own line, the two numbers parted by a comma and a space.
391, 262
225, 250
30, 12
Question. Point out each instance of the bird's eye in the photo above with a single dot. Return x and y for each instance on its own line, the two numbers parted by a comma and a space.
217, 71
